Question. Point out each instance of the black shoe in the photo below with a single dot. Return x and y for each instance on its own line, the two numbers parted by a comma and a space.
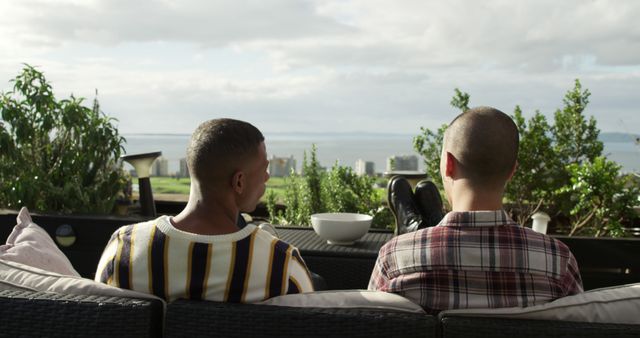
429, 203
402, 205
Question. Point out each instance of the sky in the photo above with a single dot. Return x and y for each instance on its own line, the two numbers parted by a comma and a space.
380, 66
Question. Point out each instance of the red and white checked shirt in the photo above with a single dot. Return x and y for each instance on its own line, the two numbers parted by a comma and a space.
478, 259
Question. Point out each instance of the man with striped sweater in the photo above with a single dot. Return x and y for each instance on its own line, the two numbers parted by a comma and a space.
202, 253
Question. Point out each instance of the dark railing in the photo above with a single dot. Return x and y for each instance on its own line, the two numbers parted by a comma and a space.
602, 261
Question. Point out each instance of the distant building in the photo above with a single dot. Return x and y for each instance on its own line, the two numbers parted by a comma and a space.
281, 166
160, 167
402, 162
365, 168
184, 170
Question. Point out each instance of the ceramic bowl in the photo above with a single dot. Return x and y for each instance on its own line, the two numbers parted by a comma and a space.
341, 228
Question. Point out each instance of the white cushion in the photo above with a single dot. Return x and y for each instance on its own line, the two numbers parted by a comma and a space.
31, 245
347, 299
617, 304
16, 276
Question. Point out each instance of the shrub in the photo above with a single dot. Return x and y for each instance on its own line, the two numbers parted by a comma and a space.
56, 155
601, 199
316, 191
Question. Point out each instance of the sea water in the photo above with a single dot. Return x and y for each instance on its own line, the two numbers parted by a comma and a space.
345, 149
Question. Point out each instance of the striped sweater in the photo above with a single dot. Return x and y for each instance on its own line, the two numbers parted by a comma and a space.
249, 265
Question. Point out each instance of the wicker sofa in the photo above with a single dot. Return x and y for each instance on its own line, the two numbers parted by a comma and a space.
56, 313
38, 314
463, 326
45, 314
197, 319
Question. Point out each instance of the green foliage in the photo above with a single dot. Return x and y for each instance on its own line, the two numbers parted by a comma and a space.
429, 145
560, 168
345, 191
601, 199
383, 219
317, 191
56, 155
532, 186
576, 140
270, 200
313, 178
460, 100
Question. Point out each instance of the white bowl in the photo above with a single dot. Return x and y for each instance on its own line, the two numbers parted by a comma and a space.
341, 228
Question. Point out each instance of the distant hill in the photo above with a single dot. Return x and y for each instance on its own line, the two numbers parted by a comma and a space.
618, 137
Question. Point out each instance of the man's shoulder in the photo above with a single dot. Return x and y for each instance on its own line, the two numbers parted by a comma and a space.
267, 239
409, 240
138, 226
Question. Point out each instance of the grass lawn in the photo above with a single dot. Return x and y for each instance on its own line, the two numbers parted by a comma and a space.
169, 185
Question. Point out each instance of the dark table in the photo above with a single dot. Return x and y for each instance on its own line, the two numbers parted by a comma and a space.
342, 266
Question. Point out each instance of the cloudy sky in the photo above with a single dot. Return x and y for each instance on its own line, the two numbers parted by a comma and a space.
163, 66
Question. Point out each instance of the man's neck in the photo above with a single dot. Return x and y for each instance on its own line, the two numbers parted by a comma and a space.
207, 217
467, 198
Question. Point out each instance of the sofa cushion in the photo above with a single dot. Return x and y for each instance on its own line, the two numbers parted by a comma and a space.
31, 245
347, 299
16, 276
617, 304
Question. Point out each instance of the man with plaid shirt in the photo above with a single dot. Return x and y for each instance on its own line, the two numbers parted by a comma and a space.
476, 257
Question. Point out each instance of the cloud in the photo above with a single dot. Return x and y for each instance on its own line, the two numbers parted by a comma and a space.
206, 23
334, 65
533, 36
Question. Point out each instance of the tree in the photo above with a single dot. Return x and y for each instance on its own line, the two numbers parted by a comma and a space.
560, 169
531, 187
576, 139
429, 143
313, 177
56, 155
601, 199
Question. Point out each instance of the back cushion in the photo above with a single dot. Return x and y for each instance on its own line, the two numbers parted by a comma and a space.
347, 299
16, 276
617, 304
31, 245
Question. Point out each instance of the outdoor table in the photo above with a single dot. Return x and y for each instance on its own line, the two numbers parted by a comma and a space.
342, 266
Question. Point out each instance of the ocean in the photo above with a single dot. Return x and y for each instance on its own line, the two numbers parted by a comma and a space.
346, 149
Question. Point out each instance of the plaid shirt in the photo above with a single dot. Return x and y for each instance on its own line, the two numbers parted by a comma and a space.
479, 259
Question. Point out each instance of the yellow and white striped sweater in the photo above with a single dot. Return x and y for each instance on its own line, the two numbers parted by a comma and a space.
245, 266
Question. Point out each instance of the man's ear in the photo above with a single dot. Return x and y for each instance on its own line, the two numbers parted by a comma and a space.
450, 165
237, 182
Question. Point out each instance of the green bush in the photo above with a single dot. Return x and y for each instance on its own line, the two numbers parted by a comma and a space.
533, 185
560, 169
600, 198
317, 191
56, 155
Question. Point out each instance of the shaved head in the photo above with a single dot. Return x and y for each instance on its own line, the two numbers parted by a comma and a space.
484, 141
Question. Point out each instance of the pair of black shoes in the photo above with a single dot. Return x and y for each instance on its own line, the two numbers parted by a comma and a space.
413, 211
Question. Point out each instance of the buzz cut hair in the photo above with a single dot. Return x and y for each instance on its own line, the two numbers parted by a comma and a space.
485, 142
220, 147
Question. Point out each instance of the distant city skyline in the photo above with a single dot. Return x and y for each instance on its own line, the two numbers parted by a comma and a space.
327, 66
